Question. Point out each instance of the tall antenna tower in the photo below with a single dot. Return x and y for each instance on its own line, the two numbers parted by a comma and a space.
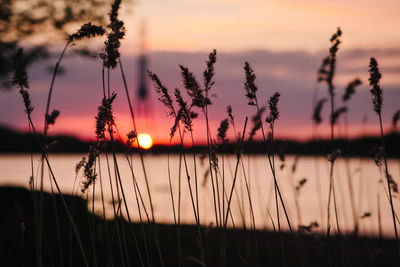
143, 102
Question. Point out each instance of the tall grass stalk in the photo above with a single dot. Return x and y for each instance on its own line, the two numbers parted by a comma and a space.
228, 206
153, 220
20, 79
200, 99
379, 216
316, 121
120, 189
251, 90
116, 216
176, 222
183, 114
106, 230
232, 121
377, 94
327, 74
86, 31
349, 91
76, 232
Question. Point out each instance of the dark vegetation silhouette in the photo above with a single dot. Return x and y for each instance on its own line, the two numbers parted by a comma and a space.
46, 21
51, 228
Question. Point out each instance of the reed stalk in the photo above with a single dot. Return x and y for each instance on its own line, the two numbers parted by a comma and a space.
377, 94
327, 73
184, 115
251, 90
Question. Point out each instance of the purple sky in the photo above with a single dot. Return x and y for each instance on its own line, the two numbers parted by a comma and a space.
77, 93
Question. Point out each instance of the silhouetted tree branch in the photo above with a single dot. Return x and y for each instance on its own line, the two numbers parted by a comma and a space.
38, 23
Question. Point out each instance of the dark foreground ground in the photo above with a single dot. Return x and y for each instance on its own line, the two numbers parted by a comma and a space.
102, 241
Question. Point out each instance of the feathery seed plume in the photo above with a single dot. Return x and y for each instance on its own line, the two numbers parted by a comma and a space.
223, 127
111, 45
350, 89
89, 171
337, 113
51, 119
20, 78
162, 91
376, 89
87, 30
273, 114
378, 156
256, 122
178, 118
185, 117
332, 59
209, 71
395, 118
132, 135
249, 85
230, 115
104, 116
80, 164
193, 88
317, 111
214, 158
333, 156
323, 71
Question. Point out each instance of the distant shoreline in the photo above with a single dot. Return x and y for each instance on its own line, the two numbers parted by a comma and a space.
12, 141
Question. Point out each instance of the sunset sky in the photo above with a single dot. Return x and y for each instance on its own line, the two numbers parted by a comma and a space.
283, 40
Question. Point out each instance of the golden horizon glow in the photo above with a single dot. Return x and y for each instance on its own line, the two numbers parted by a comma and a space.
145, 140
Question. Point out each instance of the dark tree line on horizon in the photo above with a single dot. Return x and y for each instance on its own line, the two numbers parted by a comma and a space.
12, 141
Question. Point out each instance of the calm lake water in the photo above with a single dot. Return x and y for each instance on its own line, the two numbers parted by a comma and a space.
311, 197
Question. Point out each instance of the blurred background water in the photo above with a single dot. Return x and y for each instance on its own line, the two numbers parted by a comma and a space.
311, 196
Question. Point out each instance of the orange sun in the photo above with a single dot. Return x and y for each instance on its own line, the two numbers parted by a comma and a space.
145, 141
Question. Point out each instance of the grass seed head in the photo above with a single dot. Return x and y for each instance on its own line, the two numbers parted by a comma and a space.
332, 60
323, 71
230, 114
337, 113
104, 116
256, 119
178, 118
223, 127
163, 93
249, 85
350, 89
395, 118
378, 156
376, 89
273, 114
20, 77
317, 111
193, 88
208, 73
333, 156
186, 114
87, 30
80, 164
214, 158
51, 119
132, 135
111, 45
89, 168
